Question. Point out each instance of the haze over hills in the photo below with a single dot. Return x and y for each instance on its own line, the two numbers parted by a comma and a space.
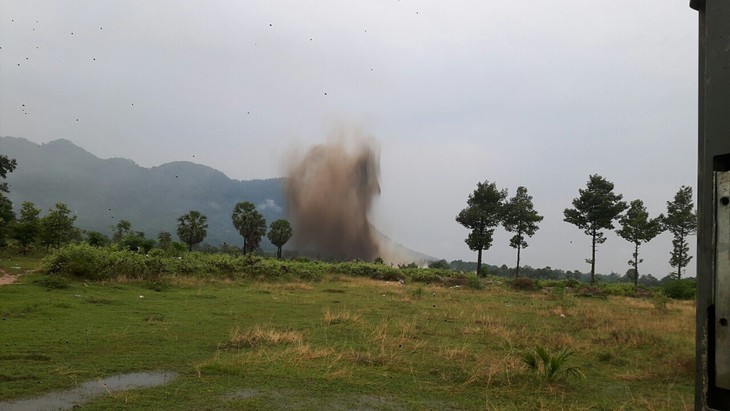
101, 192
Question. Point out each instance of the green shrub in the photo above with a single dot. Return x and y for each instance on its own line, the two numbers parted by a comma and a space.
417, 293
474, 282
523, 283
680, 289
591, 291
158, 284
660, 302
52, 282
79, 260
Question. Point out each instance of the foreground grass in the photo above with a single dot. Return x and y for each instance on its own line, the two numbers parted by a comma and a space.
342, 343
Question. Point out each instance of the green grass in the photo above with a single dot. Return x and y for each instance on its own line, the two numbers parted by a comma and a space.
342, 343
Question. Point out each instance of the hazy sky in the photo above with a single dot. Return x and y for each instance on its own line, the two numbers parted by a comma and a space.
534, 93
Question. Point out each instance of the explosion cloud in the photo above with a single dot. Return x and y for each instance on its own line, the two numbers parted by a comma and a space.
329, 193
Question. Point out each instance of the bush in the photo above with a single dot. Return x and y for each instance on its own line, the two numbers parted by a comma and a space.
53, 282
523, 283
680, 289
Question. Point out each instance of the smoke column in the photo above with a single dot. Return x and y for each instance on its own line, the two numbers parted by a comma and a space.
329, 192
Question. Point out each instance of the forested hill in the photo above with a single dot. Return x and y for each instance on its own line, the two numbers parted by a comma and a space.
101, 192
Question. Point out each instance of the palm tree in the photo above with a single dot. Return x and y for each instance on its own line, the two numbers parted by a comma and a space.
192, 228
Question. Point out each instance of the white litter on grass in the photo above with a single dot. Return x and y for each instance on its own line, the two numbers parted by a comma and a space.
141, 296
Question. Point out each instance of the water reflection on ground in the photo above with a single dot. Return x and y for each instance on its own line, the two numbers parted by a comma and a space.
64, 400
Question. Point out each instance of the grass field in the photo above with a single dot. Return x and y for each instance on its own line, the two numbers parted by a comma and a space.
341, 343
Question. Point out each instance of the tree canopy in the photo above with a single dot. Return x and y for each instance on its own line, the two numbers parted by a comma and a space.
57, 227
638, 228
482, 214
27, 227
192, 228
681, 221
595, 209
7, 165
520, 217
279, 233
7, 215
250, 224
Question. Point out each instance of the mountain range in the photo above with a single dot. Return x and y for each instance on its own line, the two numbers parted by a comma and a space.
102, 192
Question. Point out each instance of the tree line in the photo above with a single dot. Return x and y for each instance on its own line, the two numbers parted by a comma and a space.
28, 229
595, 209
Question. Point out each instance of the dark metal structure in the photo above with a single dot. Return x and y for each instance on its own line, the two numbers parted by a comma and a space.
712, 381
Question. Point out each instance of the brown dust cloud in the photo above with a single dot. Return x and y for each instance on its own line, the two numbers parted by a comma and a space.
330, 190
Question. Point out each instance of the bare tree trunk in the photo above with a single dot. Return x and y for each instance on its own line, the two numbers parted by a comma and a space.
593, 260
517, 272
278, 252
636, 266
479, 262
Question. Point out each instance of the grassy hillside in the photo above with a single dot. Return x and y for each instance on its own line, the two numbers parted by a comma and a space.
340, 341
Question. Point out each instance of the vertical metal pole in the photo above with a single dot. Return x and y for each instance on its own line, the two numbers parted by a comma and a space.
712, 381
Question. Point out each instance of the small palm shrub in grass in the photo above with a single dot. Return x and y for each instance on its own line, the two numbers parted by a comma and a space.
549, 366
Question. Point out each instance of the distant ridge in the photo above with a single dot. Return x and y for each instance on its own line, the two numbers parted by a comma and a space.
101, 192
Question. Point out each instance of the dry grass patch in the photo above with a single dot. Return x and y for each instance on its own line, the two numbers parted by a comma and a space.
494, 371
293, 286
258, 337
305, 352
338, 317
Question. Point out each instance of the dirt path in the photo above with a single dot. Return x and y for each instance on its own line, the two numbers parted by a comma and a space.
6, 278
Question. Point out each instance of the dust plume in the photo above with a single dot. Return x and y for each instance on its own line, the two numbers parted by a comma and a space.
329, 192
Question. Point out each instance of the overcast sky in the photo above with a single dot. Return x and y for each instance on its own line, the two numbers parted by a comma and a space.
534, 93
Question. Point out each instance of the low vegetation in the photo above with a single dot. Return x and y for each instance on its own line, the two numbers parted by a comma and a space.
255, 333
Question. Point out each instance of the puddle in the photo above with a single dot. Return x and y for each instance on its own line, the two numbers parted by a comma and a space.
66, 400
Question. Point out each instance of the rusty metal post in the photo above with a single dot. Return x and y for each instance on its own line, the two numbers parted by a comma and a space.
712, 380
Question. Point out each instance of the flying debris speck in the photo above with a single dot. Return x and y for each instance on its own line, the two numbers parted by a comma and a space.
271, 25
325, 94
77, 119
